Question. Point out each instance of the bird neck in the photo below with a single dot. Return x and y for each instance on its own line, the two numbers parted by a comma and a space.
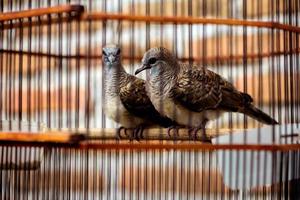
114, 76
163, 82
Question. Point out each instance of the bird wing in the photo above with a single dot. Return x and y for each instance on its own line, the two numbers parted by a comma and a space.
200, 89
135, 99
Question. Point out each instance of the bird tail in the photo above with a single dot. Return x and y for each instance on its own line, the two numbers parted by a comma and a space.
259, 115
235, 101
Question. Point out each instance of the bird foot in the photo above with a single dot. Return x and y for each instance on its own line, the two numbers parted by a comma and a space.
130, 133
205, 138
138, 133
125, 132
193, 135
135, 133
175, 130
119, 131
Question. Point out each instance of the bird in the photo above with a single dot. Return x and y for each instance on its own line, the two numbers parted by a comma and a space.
192, 95
125, 97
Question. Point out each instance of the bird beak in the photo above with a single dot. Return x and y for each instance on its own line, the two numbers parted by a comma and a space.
142, 68
111, 59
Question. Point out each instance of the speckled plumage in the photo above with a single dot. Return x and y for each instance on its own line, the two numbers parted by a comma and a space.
191, 95
125, 97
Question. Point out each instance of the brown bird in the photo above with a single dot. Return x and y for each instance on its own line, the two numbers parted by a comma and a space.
191, 95
125, 97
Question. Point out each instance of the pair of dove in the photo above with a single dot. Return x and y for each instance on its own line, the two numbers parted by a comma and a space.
174, 95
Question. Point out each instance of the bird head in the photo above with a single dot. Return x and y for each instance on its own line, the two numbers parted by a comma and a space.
111, 55
158, 60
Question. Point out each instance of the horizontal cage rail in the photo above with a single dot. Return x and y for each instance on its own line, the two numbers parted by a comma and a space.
211, 59
156, 145
40, 12
134, 18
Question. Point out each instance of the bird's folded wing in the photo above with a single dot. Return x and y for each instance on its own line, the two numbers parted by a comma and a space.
199, 89
135, 99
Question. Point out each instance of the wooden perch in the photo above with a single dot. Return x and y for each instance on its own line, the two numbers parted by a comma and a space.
41, 137
75, 136
106, 139
40, 12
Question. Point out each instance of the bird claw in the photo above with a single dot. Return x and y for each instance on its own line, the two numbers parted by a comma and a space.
119, 132
176, 132
205, 139
193, 132
135, 133
138, 133
193, 135
130, 135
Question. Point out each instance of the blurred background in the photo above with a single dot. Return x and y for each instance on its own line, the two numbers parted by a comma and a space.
55, 69
51, 79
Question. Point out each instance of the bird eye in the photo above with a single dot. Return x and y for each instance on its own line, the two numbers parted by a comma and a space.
119, 51
104, 53
152, 61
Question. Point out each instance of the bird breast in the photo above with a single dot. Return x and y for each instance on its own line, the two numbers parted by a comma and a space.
167, 107
114, 109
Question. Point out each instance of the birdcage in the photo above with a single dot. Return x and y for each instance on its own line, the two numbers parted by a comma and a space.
57, 142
